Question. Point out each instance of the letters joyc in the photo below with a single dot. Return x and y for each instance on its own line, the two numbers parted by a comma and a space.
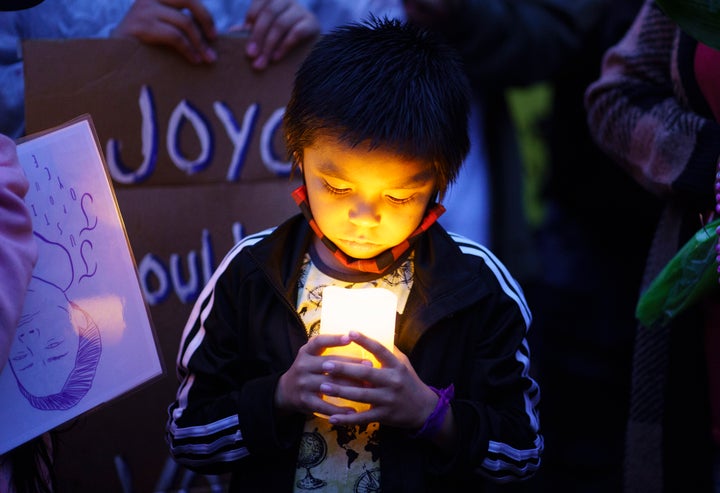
240, 137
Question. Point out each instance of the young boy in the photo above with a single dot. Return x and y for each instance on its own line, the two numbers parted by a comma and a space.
377, 124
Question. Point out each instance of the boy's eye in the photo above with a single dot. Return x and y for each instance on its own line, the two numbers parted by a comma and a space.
335, 190
346, 190
396, 200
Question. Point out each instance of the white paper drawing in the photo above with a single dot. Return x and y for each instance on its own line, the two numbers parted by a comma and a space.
85, 336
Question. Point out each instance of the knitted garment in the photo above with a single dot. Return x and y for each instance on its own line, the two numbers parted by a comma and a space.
646, 112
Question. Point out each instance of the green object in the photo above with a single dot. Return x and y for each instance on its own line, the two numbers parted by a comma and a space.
689, 276
529, 106
699, 18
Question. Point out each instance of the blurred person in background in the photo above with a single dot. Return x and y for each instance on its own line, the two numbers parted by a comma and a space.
581, 278
655, 109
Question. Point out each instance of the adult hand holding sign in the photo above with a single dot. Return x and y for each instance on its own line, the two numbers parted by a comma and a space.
273, 26
276, 26
185, 25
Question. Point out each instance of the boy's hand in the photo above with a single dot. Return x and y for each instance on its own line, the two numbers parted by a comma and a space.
275, 27
185, 25
397, 395
298, 389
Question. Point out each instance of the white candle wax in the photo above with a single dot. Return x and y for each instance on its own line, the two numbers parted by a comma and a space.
371, 311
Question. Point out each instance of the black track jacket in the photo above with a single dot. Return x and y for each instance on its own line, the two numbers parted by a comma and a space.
465, 323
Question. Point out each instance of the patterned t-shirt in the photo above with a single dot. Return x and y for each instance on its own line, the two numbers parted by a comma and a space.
333, 458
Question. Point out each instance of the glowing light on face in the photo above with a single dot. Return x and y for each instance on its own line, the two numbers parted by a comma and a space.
365, 201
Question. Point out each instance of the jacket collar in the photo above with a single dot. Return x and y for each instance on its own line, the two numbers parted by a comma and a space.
444, 280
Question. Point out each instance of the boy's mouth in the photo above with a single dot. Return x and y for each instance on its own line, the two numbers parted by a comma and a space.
360, 244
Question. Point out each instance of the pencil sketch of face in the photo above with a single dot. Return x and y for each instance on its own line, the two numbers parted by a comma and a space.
56, 351
44, 354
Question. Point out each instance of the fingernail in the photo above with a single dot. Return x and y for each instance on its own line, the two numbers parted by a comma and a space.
251, 49
260, 62
210, 55
328, 366
325, 388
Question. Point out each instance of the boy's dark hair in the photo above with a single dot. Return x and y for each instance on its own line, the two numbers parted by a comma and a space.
385, 84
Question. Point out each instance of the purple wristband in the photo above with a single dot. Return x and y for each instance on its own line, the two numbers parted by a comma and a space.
434, 422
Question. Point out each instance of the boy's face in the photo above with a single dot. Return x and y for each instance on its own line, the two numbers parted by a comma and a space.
365, 201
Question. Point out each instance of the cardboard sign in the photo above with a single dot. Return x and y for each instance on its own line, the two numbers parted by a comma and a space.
84, 335
195, 152
197, 160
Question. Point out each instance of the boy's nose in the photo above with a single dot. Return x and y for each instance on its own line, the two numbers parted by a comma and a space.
365, 214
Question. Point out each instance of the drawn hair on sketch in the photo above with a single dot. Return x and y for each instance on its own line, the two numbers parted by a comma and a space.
57, 348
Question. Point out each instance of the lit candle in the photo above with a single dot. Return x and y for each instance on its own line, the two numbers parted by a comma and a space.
371, 311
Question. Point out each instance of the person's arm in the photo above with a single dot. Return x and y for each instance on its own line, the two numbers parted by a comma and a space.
18, 251
511, 43
229, 375
636, 116
212, 366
